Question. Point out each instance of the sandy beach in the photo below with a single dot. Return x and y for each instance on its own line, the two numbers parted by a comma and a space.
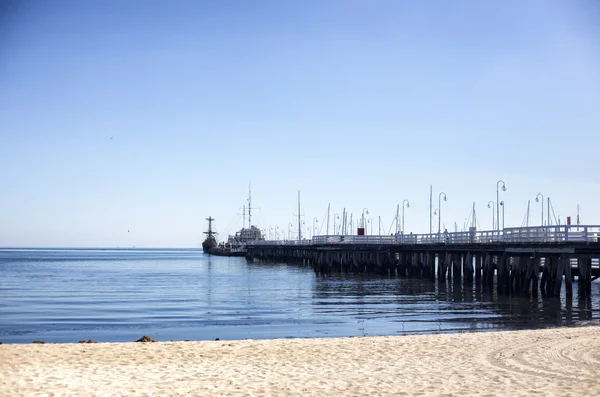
558, 362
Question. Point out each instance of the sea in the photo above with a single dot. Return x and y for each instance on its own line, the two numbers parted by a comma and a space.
120, 295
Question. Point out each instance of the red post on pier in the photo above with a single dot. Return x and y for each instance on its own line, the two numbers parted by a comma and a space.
568, 220
361, 231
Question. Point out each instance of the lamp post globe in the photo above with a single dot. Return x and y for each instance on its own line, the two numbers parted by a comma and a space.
498, 201
440, 210
407, 206
537, 199
491, 205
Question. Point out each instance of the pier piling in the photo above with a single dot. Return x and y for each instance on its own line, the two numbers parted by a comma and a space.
512, 266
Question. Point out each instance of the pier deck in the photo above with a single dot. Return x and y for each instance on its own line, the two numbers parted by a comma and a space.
521, 260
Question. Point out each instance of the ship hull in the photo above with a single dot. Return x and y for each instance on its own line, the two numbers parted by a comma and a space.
226, 252
209, 244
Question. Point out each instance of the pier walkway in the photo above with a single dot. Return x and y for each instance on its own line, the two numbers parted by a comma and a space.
514, 257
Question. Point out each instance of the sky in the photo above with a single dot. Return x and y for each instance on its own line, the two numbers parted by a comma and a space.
128, 123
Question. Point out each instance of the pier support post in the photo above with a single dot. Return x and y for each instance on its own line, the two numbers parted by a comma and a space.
585, 276
449, 261
414, 263
503, 276
514, 272
545, 276
329, 261
468, 268
550, 266
354, 261
568, 277
531, 264
488, 270
549, 276
535, 274
560, 270
431, 265
478, 267
441, 258
457, 267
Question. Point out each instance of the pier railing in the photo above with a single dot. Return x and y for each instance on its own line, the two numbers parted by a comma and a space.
536, 234
562, 233
281, 242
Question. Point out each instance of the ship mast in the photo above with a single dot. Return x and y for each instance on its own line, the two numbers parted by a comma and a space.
210, 232
299, 224
249, 205
328, 207
430, 208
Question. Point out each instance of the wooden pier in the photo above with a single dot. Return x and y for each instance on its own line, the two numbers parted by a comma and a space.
518, 260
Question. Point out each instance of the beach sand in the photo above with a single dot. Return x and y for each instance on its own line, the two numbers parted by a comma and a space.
552, 362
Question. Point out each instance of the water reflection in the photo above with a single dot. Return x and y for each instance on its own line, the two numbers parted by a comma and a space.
440, 305
181, 294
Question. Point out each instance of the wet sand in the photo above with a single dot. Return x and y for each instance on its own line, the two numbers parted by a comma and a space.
552, 362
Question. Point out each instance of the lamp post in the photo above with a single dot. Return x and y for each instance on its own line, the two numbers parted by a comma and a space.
276, 232
407, 206
336, 216
537, 200
290, 226
369, 222
363, 217
493, 214
502, 205
440, 210
270, 232
498, 200
314, 227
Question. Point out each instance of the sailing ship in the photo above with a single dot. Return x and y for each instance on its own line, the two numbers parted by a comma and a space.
210, 242
236, 244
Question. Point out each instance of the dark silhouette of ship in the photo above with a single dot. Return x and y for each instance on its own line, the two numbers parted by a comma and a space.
236, 244
210, 242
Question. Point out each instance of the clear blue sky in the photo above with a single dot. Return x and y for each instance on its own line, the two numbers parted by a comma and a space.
355, 103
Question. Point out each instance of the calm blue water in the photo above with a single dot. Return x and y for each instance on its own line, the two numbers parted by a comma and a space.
119, 295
